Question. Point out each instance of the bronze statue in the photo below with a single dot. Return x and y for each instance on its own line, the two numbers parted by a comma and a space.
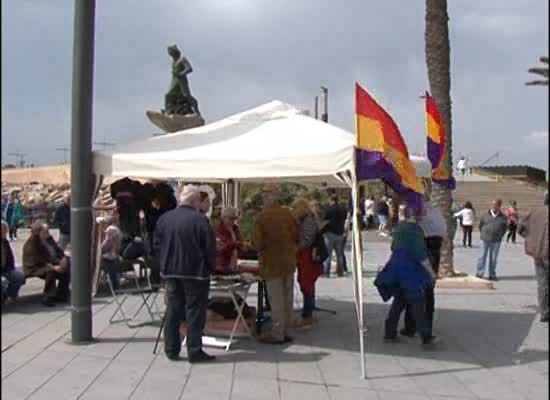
178, 99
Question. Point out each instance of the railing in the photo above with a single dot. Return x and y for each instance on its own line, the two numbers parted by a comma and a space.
494, 156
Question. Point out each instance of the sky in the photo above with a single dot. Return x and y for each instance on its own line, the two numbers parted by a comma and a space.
247, 52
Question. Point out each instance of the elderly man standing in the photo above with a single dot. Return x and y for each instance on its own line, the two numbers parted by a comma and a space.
492, 225
534, 228
62, 220
186, 247
276, 239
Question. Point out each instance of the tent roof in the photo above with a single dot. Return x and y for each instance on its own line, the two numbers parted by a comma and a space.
270, 142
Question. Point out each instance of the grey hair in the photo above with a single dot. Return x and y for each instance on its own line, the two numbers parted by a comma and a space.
189, 194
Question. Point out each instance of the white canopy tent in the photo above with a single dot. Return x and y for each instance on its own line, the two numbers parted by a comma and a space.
272, 142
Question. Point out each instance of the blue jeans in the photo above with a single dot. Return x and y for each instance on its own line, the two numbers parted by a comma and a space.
15, 279
491, 249
309, 304
187, 301
335, 243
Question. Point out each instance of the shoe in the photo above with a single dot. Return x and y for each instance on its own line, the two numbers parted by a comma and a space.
201, 356
493, 278
268, 339
407, 333
479, 276
304, 323
288, 339
544, 318
391, 339
430, 340
173, 356
48, 302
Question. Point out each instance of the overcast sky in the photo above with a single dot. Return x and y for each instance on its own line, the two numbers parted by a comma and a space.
248, 52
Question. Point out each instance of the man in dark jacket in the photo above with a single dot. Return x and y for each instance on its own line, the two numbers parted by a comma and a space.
492, 226
186, 248
334, 234
62, 220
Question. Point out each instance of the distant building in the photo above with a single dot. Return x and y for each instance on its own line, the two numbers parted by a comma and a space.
519, 172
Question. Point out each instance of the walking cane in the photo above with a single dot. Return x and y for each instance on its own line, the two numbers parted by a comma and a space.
160, 332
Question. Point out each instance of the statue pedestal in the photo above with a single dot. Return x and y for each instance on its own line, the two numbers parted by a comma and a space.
174, 122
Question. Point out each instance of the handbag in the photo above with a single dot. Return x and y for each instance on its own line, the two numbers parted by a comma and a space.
319, 249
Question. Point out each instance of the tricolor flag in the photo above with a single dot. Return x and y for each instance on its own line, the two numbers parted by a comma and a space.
380, 151
437, 140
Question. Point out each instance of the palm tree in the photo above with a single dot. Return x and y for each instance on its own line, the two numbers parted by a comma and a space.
438, 54
542, 71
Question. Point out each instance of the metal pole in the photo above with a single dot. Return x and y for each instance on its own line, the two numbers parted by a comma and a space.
316, 107
81, 170
324, 94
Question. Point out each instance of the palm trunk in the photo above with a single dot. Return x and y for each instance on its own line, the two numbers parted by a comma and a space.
438, 65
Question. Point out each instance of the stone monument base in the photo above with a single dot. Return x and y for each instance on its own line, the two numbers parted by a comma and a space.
174, 122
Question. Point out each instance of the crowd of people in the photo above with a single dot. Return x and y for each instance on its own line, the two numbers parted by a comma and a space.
184, 247
409, 275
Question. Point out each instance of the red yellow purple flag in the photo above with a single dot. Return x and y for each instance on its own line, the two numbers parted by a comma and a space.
380, 151
437, 138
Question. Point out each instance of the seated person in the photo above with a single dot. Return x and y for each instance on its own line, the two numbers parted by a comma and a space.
12, 278
43, 258
405, 277
110, 254
228, 242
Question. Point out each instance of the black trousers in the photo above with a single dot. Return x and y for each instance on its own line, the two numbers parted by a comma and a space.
512, 229
467, 235
433, 244
56, 285
187, 301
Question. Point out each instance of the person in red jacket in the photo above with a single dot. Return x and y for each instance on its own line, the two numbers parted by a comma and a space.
228, 241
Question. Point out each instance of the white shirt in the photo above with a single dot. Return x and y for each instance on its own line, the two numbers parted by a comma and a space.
369, 207
433, 223
467, 215
461, 164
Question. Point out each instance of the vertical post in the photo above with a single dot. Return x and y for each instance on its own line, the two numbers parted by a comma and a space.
81, 170
316, 107
324, 94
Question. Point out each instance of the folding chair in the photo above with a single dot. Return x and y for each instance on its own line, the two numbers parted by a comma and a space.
120, 295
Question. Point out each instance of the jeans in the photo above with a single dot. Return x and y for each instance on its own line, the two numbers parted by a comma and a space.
15, 279
467, 235
541, 271
187, 301
309, 304
491, 249
417, 312
335, 243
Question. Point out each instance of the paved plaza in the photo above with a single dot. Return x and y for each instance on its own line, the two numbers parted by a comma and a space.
493, 347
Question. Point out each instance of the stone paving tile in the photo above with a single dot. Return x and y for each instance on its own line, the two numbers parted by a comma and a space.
509, 360
347, 393
252, 389
301, 391
73, 380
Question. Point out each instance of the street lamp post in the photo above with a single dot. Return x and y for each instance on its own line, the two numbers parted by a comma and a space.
81, 170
